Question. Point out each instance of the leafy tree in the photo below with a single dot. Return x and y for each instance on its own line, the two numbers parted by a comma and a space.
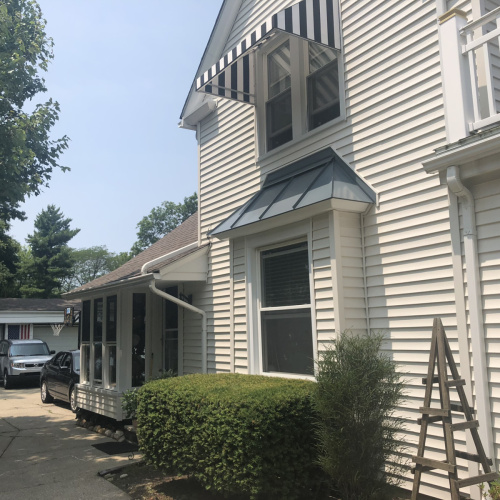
52, 258
161, 220
91, 263
9, 257
27, 154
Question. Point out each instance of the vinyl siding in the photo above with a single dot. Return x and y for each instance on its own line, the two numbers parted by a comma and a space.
487, 204
394, 121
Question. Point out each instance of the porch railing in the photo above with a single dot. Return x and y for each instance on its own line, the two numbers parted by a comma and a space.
482, 40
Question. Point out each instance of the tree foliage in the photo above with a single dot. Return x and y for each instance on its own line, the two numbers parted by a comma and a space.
356, 397
161, 220
91, 263
27, 154
9, 258
51, 258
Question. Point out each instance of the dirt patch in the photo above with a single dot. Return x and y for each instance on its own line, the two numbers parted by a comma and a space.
144, 482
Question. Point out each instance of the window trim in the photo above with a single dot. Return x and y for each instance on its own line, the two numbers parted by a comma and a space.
300, 132
254, 244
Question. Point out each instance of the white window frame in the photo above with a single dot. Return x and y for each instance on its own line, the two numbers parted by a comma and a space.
300, 72
254, 246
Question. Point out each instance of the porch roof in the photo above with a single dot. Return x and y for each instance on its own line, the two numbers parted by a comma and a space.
180, 237
321, 178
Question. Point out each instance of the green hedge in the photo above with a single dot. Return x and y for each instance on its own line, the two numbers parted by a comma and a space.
236, 434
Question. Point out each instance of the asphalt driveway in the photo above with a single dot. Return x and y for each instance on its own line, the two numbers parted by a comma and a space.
43, 454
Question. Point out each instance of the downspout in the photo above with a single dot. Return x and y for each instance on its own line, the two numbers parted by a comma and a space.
475, 307
180, 302
203, 314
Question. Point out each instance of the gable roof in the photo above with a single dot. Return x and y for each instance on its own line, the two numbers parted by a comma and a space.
180, 237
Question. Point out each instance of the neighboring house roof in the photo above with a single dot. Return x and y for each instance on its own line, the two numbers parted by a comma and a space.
181, 236
45, 305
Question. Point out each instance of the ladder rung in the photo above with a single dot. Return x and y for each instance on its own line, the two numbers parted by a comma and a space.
434, 411
435, 380
469, 424
455, 383
422, 468
483, 478
459, 408
429, 420
471, 457
430, 464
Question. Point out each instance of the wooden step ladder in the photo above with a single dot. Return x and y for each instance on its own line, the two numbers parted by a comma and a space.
441, 352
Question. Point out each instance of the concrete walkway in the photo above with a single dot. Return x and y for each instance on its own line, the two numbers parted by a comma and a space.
44, 455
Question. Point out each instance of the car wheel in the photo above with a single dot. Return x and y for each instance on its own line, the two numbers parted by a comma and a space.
44, 393
7, 383
72, 399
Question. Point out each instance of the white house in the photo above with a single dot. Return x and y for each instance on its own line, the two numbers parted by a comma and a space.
39, 319
349, 179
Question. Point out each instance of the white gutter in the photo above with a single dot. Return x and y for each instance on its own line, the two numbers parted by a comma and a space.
180, 302
475, 308
167, 256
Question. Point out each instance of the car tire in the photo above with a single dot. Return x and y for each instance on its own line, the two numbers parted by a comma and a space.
7, 383
72, 399
44, 393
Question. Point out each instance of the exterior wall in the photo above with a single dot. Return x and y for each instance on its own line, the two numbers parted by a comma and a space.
66, 340
487, 204
390, 270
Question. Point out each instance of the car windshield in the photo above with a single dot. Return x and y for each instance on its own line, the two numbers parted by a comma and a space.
29, 350
76, 362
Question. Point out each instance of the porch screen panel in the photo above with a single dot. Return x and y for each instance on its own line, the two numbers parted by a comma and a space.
138, 339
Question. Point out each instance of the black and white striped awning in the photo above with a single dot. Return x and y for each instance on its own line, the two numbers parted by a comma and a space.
233, 77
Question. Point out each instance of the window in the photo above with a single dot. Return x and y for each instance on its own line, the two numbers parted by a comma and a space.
138, 339
285, 310
322, 86
302, 90
279, 104
171, 336
111, 327
97, 340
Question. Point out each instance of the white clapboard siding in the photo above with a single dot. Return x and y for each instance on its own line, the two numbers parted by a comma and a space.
393, 121
487, 204
322, 281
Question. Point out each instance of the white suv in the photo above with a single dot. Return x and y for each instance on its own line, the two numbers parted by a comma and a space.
22, 360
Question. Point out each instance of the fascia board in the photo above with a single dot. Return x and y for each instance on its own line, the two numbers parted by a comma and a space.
24, 317
463, 154
110, 287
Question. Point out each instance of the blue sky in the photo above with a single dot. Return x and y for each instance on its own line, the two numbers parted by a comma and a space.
121, 73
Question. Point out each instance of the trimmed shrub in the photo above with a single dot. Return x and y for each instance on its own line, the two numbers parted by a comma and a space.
356, 396
236, 434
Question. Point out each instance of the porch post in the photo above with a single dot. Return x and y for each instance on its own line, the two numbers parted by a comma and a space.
457, 94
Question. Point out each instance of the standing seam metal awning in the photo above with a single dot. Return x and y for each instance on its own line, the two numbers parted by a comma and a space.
233, 77
319, 177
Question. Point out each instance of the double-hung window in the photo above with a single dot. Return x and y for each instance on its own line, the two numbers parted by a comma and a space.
302, 90
285, 310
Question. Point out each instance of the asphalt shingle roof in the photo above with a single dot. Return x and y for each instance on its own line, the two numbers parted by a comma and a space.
180, 237
37, 304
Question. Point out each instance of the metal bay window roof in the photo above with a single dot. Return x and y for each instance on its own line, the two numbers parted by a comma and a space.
321, 177
233, 76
